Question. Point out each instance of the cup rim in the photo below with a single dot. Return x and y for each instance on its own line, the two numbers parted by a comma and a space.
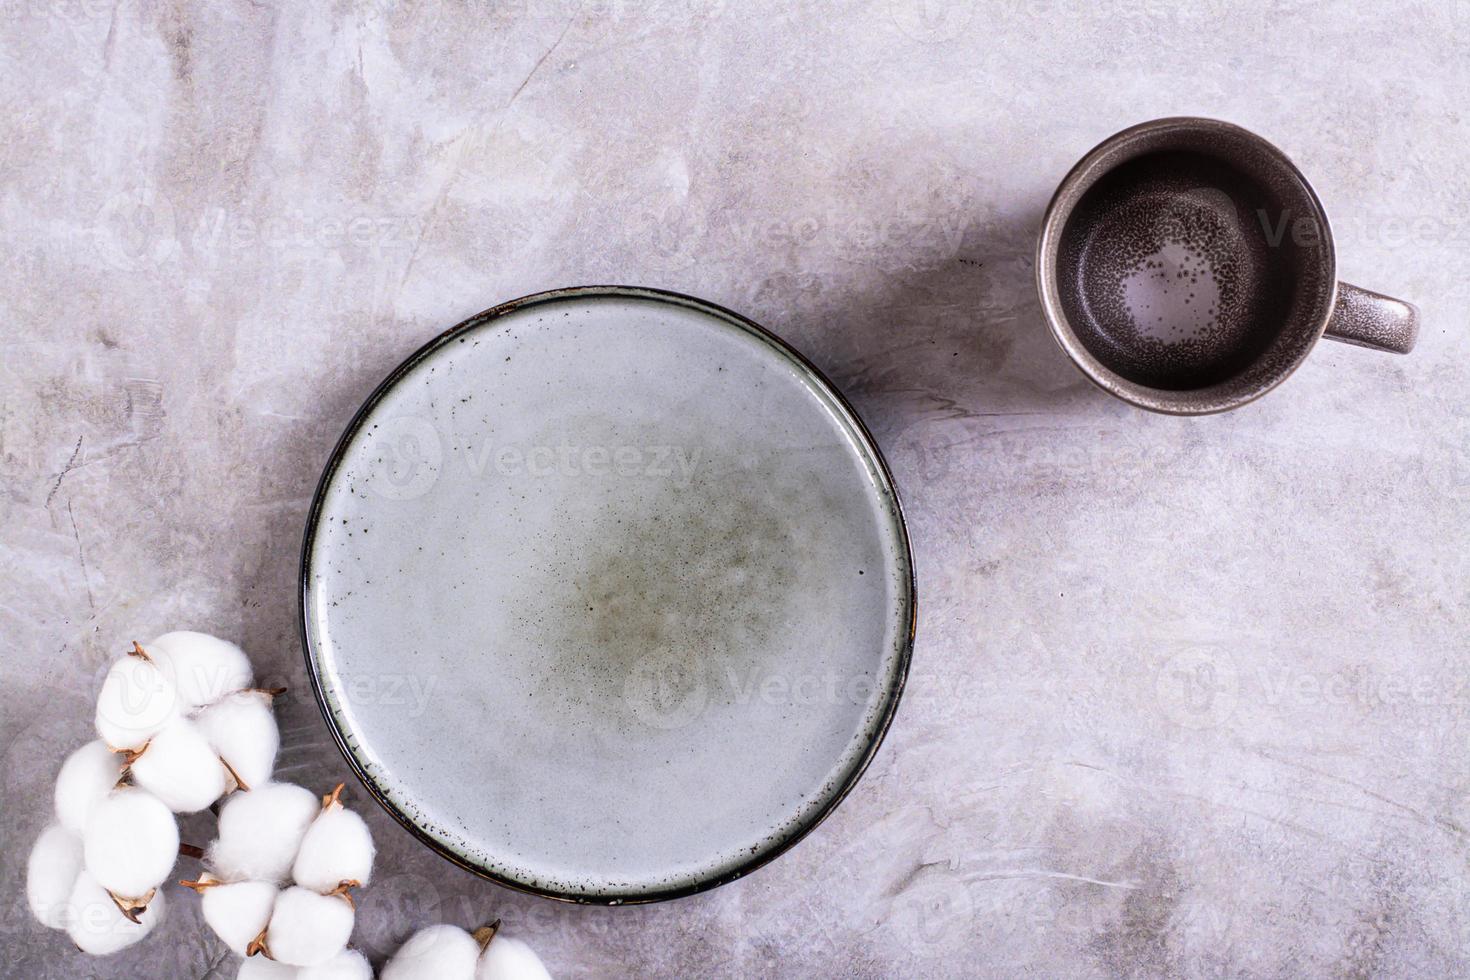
1103, 159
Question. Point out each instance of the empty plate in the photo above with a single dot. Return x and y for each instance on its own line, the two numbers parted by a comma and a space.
606, 595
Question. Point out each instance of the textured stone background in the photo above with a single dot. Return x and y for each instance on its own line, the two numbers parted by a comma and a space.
1189, 697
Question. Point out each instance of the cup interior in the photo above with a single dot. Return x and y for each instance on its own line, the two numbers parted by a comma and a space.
1189, 265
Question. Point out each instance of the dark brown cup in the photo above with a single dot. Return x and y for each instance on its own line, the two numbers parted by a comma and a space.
1186, 266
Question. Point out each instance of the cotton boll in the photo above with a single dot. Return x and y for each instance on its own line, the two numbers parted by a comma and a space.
203, 668
136, 701
435, 953
86, 777
260, 832
98, 927
308, 929
337, 848
180, 768
51, 874
238, 912
260, 968
242, 729
131, 843
507, 958
346, 965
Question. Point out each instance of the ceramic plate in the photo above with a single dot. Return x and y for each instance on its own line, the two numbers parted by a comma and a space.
607, 595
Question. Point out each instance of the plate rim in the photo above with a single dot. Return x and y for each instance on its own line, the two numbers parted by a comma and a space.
887, 485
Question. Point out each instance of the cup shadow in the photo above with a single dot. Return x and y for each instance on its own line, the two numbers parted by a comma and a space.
957, 341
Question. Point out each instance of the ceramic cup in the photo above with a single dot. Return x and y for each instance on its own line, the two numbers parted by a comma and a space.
1186, 266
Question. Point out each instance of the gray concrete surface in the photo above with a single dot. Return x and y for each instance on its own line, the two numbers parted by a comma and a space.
1190, 696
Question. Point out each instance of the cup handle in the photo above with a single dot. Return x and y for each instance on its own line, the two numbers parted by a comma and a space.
1368, 319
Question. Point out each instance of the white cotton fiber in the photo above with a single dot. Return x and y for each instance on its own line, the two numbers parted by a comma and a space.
507, 958
86, 777
338, 847
98, 927
260, 968
308, 929
51, 874
131, 843
203, 668
435, 953
238, 912
260, 832
180, 768
242, 729
136, 701
346, 965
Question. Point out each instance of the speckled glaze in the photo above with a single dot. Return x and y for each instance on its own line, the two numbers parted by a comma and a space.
649, 575
1186, 265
